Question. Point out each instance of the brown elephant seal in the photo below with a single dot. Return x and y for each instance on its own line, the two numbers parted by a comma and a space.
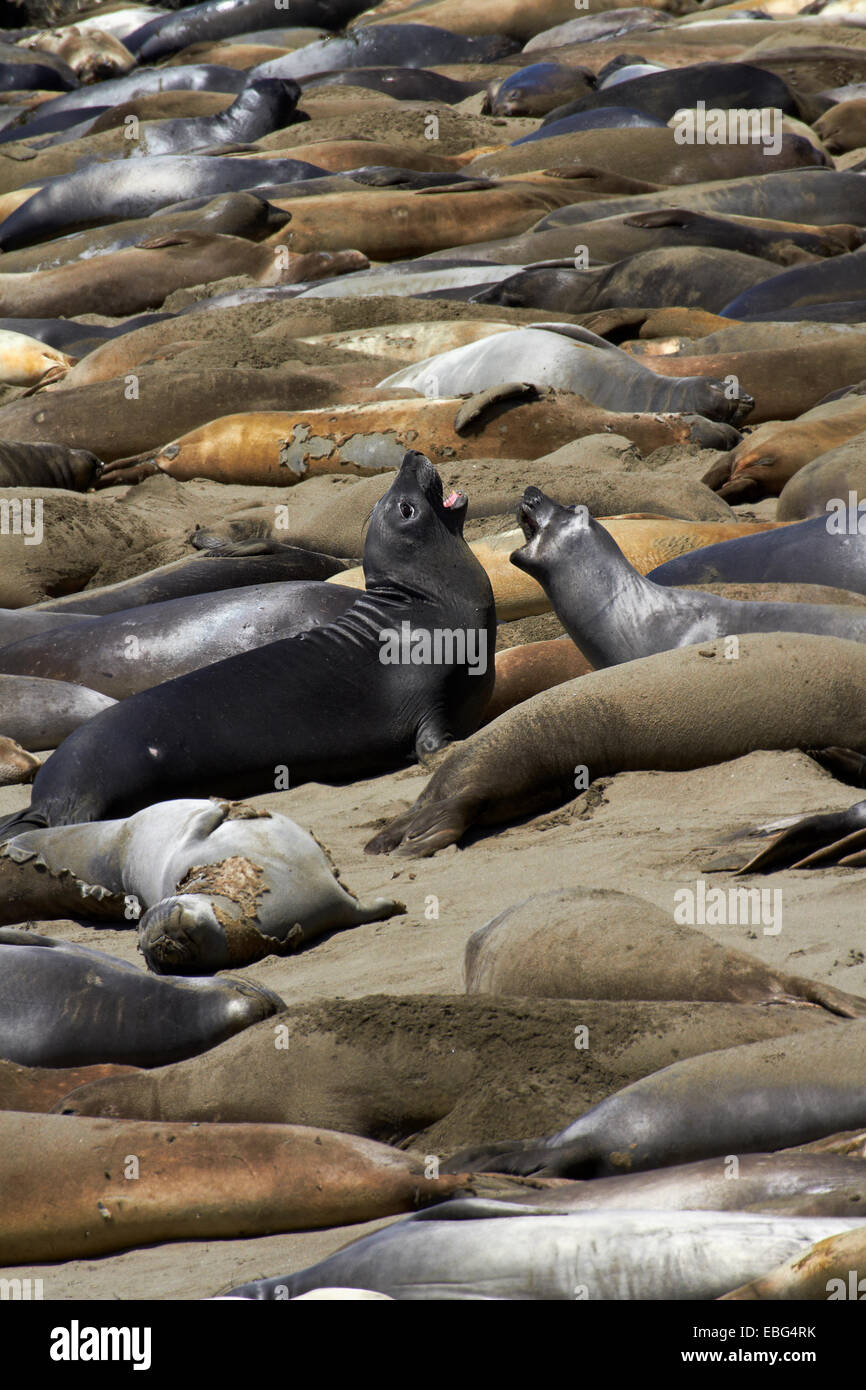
829, 486
365, 1065
833, 1268
523, 671
771, 455
509, 422
16, 764
514, 765
192, 1182
843, 127
120, 1013
93, 54
36, 1090
594, 943
215, 885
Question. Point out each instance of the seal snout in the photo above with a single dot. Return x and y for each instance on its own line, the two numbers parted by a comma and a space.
530, 517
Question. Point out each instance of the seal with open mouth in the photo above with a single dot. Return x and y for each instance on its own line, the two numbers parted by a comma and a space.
339, 702
614, 613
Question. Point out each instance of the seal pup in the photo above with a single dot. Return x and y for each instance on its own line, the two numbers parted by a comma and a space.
217, 885
339, 702
613, 613
67, 1006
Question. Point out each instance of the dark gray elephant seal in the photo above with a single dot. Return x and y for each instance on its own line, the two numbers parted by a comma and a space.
404, 84
265, 105
135, 188
841, 278
40, 714
747, 1099
213, 20
375, 45
214, 885
137, 648
537, 89
195, 575
191, 77
614, 614
405, 671
594, 943
65, 1006
47, 465
807, 552
688, 276
721, 86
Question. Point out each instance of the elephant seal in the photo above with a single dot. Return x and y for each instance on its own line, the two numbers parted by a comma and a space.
833, 1268
815, 842
209, 22
501, 1250
766, 461
217, 884
536, 89
594, 943
137, 648
806, 552
92, 56
194, 1182
264, 105
35, 1090
748, 1099
401, 45
139, 277
191, 77
784, 1184
291, 707
839, 278
365, 1065
820, 196
25, 361
401, 83
524, 671
40, 714
721, 86
568, 358
514, 766
185, 578
135, 188
16, 764
689, 277
843, 127
47, 465
826, 486
614, 614
120, 1013
605, 118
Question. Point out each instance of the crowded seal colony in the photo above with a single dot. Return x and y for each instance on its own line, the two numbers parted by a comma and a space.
433, 649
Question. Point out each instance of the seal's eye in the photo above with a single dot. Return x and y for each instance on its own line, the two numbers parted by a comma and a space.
406, 509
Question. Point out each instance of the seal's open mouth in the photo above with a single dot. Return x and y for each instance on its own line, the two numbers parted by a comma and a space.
527, 518
454, 499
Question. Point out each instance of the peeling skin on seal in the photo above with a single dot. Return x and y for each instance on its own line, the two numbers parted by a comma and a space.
240, 810
378, 451
236, 878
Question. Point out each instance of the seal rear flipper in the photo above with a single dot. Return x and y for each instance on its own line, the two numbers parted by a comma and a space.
28, 819
525, 1158
826, 839
424, 829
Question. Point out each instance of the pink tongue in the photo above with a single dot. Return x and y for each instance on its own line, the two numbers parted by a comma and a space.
451, 499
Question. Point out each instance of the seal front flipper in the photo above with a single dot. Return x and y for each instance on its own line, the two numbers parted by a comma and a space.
838, 837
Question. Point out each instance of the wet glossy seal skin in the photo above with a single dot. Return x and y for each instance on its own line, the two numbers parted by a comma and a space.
356, 695
613, 613
65, 1006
